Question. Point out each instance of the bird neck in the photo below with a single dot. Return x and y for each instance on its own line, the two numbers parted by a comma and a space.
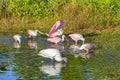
19, 41
63, 38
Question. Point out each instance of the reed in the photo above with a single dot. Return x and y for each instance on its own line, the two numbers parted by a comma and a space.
79, 14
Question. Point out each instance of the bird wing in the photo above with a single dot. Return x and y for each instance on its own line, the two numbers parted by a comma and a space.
57, 25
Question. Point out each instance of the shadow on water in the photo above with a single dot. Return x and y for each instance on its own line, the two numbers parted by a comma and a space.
21, 61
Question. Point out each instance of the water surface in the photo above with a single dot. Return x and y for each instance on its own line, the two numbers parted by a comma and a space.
21, 62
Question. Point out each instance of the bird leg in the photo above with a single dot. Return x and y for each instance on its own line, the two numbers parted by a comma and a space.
75, 42
83, 42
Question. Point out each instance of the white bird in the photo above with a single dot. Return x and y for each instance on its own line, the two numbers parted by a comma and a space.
51, 69
17, 38
51, 53
77, 37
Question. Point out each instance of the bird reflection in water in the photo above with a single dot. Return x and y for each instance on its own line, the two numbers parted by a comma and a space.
52, 69
85, 55
32, 44
16, 45
74, 48
60, 47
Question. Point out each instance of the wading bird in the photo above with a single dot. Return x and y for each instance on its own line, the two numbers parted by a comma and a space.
53, 54
59, 32
32, 33
77, 37
56, 40
17, 38
87, 47
56, 30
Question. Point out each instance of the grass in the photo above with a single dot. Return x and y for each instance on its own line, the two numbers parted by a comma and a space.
91, 15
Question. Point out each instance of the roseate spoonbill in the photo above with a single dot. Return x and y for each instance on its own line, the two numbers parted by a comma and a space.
32, 33
77, 37
17, 38
87, 47
56, 39
59, 32
56, 30
51, 53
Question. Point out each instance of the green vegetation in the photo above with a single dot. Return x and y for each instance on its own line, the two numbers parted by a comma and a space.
42, 14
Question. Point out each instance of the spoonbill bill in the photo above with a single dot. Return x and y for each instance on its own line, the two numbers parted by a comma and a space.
77, 37
51, 53
17, 38
87, 47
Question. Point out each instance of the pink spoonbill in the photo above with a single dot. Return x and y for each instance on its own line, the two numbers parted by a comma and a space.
87, 47
77, 37
17, 38
32, 33
56, 30
56, 40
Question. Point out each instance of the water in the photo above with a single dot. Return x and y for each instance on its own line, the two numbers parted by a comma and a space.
21, 62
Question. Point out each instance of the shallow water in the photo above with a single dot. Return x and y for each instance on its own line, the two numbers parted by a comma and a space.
21, 62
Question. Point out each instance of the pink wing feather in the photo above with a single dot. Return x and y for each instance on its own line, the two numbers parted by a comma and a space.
57, 25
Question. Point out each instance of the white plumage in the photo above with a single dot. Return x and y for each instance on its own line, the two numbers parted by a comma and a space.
51, 53
52, 69
17, 38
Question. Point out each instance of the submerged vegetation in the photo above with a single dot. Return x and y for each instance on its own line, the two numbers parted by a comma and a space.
79, 14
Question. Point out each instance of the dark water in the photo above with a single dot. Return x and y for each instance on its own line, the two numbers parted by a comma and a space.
21, 62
